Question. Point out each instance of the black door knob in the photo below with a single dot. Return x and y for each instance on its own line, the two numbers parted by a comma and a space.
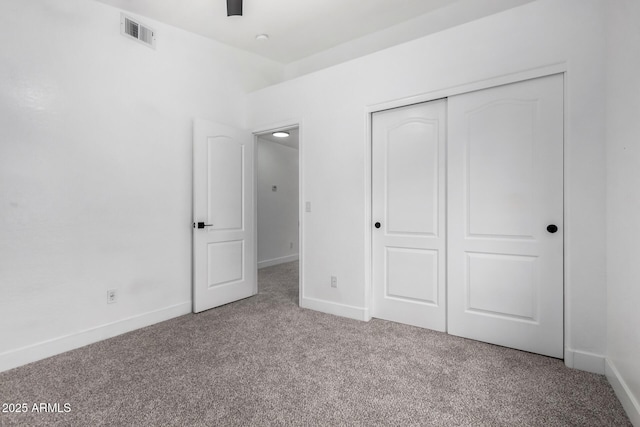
203, 225
552, 228
377, 225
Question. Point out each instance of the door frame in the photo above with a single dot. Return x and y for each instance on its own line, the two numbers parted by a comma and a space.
559, 68
274, 127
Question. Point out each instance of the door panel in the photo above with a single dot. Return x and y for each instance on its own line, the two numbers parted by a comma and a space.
409, 145
511, 277
225, 207
408, 266
226, 262
505, 185
500, 144
224, 267
408, 202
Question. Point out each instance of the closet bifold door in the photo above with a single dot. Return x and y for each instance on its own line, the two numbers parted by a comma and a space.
505, 215
408, 215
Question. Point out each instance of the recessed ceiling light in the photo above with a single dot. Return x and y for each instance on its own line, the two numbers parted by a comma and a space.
262, 37
280, 134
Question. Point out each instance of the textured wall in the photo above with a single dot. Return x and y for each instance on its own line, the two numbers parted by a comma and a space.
95, 168
623, 195
333, 105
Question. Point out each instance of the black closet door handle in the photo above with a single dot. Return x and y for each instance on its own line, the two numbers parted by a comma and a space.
377, 225
552, 228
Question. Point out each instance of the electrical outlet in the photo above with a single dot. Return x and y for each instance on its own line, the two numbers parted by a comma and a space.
334, 282
307, 206
112, 296
290, 245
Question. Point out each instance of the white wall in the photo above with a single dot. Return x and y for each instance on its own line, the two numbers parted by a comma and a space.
333, 105
623, 202
277, 210
95, 169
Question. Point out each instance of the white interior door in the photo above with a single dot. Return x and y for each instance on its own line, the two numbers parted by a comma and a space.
224, 251
408, 209
505, 196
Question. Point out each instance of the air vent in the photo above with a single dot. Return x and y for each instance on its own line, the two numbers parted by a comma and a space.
131, 28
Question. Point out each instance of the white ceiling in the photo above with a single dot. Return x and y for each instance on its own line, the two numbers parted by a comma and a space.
298, 28
291, 141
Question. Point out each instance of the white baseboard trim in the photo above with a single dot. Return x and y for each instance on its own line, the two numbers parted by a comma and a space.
42, 350
626, 397
352, 312
584, 361
276, 261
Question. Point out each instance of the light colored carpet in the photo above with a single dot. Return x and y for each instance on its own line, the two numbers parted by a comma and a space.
265, 361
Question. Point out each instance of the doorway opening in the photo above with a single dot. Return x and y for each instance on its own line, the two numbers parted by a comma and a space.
278, 196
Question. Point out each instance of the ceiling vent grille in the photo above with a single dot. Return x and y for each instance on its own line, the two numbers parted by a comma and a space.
129, 27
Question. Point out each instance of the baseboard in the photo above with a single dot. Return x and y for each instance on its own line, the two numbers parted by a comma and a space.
626, 397
352, 312
21, 356
276, 261
584, 361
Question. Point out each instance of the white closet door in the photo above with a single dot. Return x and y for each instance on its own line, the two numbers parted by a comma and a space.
505, 215
408, 234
